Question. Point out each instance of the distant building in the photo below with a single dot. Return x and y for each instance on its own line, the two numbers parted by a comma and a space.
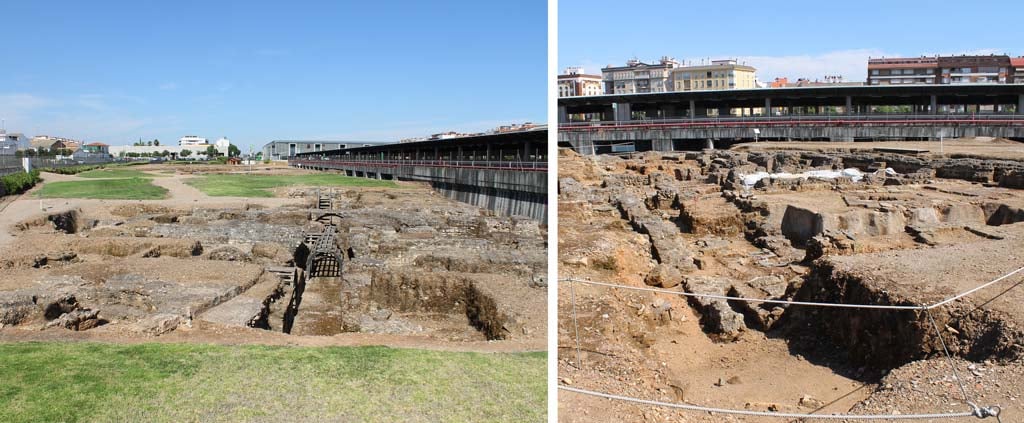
96, 148
719, 75
1018, 69
46, 141
191, 140
828, 81
64, 145
639, 77
19, 140
8, 148
575, 82
222, 144
991, 69
282, 149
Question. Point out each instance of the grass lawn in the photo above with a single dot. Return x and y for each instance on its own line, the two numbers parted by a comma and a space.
259, 185
106, 189
118, 172
92, 382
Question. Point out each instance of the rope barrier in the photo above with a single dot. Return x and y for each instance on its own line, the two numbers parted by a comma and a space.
976, 411
749, 300
805, 303
973, 413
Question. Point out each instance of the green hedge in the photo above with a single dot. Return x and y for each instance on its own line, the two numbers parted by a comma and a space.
71, 170
17, 183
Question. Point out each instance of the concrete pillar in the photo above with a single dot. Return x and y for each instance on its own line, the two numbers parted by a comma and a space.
26, 163
563, 115
768, 106
849, 105
488, 152
693, 108
623, 112
661, 145
1020, 104
711, 144
526, 151
934, 104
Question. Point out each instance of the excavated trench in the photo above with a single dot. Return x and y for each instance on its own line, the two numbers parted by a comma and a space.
862, 343
886, 339
400, 301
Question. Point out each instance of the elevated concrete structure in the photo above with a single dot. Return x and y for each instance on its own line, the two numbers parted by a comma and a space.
504, 172
689, 120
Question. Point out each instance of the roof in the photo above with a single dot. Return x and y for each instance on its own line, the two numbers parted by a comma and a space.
329, 142
97, 144
536, 135
579, 75
1017, 62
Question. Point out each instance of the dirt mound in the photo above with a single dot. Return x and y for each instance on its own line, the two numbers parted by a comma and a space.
125, 247
134, 210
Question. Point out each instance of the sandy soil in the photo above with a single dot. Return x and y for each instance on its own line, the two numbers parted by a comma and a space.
630, 345
195, 284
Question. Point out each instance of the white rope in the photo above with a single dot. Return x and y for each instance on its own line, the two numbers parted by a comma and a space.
805, 303
749, 300
996, 280
972, 413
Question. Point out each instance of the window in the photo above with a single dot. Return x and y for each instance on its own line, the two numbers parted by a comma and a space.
874, 71
929, 71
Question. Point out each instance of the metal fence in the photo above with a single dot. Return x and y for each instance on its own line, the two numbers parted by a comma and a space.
13, 164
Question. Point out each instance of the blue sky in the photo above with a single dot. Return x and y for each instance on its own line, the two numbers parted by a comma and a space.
253, 71
792, 38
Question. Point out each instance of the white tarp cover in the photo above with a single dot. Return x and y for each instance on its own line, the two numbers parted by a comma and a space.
852, 173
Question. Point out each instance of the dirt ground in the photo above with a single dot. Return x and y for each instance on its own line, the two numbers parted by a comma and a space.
195, 268
924, 230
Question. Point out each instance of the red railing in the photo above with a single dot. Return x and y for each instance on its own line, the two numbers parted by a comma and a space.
833, 120
527, 166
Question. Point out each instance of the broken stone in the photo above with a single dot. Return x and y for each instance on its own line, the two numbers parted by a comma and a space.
79, 320
665, 276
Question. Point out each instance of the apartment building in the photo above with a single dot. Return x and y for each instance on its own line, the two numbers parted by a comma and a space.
991, 69
575, 82
718, 75
1017, 63
639, 77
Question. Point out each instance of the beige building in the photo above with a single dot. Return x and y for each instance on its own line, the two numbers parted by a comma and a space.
639, 77
575, 82
719, 75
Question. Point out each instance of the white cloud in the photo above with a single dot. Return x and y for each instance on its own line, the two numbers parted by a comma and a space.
852, 65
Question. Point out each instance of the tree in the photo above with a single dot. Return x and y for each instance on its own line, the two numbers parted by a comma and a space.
166, 153
149, 143
156, 142
233, 151
211, 151
185, 153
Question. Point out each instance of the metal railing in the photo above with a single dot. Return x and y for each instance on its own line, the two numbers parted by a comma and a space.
782, 120
469, 164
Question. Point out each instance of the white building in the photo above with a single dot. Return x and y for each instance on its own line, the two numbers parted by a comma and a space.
222, 144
